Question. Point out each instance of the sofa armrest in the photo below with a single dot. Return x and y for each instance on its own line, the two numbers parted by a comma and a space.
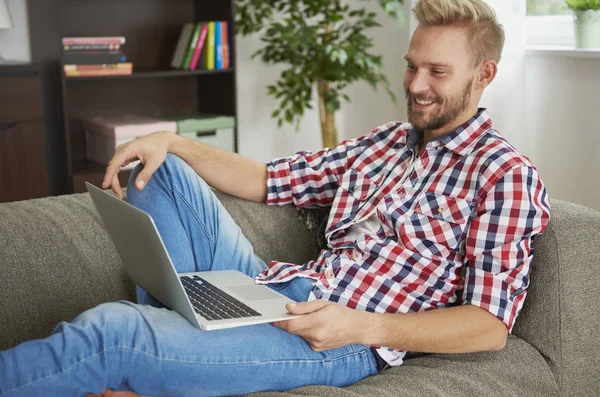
560, 317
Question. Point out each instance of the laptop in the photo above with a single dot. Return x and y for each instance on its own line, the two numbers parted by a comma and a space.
209, 300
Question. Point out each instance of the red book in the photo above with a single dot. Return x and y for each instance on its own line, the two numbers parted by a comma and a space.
225, 45
199, 47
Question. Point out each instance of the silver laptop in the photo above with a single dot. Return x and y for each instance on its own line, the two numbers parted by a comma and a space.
209, 300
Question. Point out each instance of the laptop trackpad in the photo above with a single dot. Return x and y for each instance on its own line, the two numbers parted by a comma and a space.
253, 292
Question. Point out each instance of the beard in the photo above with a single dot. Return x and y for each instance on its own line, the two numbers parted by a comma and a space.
444, 114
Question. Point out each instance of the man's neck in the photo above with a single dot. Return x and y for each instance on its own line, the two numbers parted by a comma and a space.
432, 135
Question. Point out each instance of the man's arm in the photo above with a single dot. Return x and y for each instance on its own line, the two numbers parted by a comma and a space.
462, 329
226, 171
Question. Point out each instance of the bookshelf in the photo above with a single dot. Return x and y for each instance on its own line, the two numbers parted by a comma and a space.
152, 28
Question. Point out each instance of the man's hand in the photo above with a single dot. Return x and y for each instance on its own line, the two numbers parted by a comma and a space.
327, 325
151, 150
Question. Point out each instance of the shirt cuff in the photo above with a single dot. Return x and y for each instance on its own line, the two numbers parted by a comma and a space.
279, 186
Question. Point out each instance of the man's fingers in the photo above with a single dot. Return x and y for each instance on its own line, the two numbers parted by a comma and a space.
116, 187
150, 167
307, 307
113, 169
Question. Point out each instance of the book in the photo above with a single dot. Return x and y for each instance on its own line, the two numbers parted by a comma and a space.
93, 40
93, 57
218, 47
199, 46
225, 41
210, 47
182, 45
191, 47
92, 47
116, 69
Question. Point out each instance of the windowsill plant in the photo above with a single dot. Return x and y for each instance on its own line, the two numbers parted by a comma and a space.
587, 22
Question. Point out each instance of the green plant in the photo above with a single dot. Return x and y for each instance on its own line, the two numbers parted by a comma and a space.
323, 43
582, 5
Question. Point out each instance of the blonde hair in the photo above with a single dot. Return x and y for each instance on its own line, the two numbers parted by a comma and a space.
487, 35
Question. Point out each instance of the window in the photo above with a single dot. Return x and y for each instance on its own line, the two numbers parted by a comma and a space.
546, 7
549, 23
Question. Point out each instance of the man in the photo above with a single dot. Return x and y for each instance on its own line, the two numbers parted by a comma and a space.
420, 212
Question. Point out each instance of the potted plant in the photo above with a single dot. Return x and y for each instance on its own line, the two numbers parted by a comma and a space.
587, 22
323, 44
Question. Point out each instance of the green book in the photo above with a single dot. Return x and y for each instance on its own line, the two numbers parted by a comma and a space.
210, 47
192, 47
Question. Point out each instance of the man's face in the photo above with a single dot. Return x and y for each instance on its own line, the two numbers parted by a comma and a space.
439, 78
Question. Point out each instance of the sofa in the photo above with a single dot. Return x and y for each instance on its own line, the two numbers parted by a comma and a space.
57, 260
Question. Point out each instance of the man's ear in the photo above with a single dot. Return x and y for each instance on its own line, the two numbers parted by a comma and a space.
487, 73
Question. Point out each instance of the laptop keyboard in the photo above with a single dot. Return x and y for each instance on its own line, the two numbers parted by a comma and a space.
212, 303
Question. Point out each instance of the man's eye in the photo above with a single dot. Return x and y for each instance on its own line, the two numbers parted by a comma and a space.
438, 72
411, 67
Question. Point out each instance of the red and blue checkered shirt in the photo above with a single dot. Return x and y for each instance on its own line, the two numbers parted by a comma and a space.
463, 219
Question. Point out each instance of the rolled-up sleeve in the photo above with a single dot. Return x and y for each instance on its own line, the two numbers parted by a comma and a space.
309, 179
498, 248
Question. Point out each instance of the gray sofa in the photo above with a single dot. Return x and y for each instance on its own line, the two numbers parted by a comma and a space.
56, 260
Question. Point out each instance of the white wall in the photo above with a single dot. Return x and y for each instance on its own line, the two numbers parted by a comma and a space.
563, 104
14, 43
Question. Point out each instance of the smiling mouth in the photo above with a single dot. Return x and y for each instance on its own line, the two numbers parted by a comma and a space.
423, 103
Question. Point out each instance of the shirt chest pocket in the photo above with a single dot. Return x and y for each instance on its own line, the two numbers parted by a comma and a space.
438, 223
356, 186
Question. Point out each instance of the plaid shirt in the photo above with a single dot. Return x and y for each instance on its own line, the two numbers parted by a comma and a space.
462, 219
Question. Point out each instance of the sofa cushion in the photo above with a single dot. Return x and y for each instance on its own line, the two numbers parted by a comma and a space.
56, 261
517, 370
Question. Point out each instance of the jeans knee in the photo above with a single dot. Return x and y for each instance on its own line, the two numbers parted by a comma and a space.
110, 323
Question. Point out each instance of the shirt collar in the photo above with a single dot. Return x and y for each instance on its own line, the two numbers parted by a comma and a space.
461, 140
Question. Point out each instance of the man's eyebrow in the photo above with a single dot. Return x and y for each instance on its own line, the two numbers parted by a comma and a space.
432, 64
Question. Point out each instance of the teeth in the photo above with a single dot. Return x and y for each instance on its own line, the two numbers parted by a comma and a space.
423, 102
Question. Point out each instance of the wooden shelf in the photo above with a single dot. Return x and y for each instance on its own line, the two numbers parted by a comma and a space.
151, 74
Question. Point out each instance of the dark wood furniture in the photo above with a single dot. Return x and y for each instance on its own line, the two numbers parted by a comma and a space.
23, 170
152, 28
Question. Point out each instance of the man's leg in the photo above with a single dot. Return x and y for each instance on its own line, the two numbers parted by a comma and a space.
197, 230
156, 352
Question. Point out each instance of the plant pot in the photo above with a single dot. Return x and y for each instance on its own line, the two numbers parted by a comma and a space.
587, 29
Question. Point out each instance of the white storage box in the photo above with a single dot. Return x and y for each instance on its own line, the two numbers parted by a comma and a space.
214, 130
104, 134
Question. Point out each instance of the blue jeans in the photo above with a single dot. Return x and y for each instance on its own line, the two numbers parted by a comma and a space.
154, 351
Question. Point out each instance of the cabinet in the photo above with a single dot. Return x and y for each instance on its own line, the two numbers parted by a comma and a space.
151, 28
23, 171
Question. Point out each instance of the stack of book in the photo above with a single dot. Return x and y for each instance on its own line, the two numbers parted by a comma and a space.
203, 45
94, 56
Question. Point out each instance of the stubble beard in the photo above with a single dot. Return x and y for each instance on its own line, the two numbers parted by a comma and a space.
444, 115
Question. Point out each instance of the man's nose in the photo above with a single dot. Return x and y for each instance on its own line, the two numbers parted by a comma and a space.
419, 83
